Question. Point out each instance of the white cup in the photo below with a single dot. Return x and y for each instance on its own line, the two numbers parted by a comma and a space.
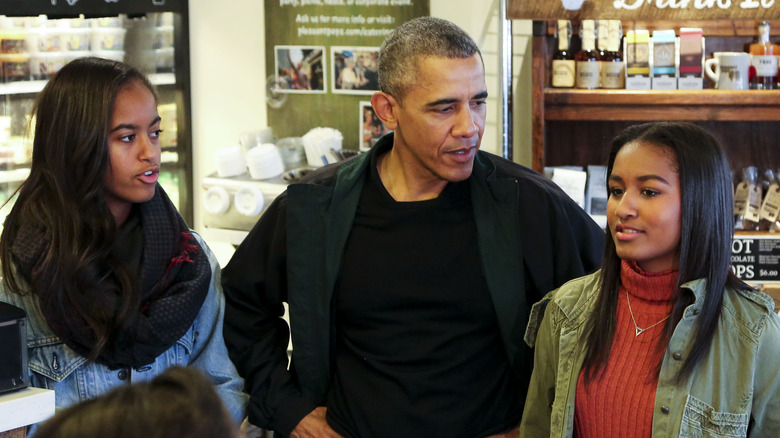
572, 5
729, 70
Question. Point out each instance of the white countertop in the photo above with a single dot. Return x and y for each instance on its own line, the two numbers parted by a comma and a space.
24, 407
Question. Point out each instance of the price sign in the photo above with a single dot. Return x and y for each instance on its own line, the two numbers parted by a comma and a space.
755, 259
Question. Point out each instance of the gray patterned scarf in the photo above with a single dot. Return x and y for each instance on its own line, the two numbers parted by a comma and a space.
174, 278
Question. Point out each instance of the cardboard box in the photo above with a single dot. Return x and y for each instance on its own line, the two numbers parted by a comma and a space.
691, 59
664, 60
637, 52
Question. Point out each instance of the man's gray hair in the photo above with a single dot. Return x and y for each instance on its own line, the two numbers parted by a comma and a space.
407, 44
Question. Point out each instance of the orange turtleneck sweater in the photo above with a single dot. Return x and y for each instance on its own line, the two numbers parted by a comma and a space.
620, 403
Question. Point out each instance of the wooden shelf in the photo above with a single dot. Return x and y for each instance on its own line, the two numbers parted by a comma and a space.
711, 28
573, 126
647, 105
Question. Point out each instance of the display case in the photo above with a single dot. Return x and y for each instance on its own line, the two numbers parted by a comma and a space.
38, 37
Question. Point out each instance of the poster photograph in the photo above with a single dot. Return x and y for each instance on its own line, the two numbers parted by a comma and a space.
354, 69
342, 32
371, 128
300, 69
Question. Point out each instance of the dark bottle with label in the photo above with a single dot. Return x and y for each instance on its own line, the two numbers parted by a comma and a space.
588, 67
563, 65
763, 60
602, 37
613, 68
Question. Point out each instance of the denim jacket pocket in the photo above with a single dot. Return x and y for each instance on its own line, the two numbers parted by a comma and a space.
180, 353
700, 420
182, 349
54, 361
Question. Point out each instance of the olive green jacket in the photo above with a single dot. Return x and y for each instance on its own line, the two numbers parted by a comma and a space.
733, 392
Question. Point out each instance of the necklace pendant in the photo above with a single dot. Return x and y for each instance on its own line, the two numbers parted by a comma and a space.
639, 331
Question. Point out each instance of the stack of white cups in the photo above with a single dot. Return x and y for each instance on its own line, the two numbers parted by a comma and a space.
319, 144
230, 161
264, 161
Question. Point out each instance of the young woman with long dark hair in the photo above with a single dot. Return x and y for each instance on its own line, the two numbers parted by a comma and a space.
664, 340
116, 286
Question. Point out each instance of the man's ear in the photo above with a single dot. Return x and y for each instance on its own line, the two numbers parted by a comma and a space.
384, 107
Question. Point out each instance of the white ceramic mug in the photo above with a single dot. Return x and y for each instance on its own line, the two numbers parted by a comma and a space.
572, 5
729, 70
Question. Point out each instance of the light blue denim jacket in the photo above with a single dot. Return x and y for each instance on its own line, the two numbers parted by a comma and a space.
54, 365
734, 391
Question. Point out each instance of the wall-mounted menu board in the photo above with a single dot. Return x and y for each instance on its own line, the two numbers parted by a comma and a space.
645, 9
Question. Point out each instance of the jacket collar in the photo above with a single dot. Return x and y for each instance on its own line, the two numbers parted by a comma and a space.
578, 308
698, 288
351, 172
496, 212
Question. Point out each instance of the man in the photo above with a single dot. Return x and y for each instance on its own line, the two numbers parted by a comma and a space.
409, 271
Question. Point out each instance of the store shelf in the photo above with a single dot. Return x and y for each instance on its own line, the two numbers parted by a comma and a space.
757, 234
169, 157
22, 87
691, 105
31, 87
162, 78
16, 175
711, 28
573, 126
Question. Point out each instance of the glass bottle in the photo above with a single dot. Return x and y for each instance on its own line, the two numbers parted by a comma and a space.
763, 60
602, 36
613, 68
588, 67
563, 65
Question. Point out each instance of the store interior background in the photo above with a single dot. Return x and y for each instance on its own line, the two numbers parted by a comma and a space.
228, 80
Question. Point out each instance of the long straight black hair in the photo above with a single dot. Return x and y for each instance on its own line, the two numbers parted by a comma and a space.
63, 201
705, 240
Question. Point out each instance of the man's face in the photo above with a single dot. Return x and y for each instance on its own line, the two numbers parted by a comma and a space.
440, 121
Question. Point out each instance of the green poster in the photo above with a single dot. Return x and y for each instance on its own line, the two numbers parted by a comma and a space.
321, 63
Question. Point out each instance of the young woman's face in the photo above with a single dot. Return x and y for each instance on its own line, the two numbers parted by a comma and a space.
643, 209
134, 150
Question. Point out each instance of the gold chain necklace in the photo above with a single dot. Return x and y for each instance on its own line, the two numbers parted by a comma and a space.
639, 331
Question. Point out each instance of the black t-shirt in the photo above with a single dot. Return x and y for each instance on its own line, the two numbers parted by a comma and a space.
418, 351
